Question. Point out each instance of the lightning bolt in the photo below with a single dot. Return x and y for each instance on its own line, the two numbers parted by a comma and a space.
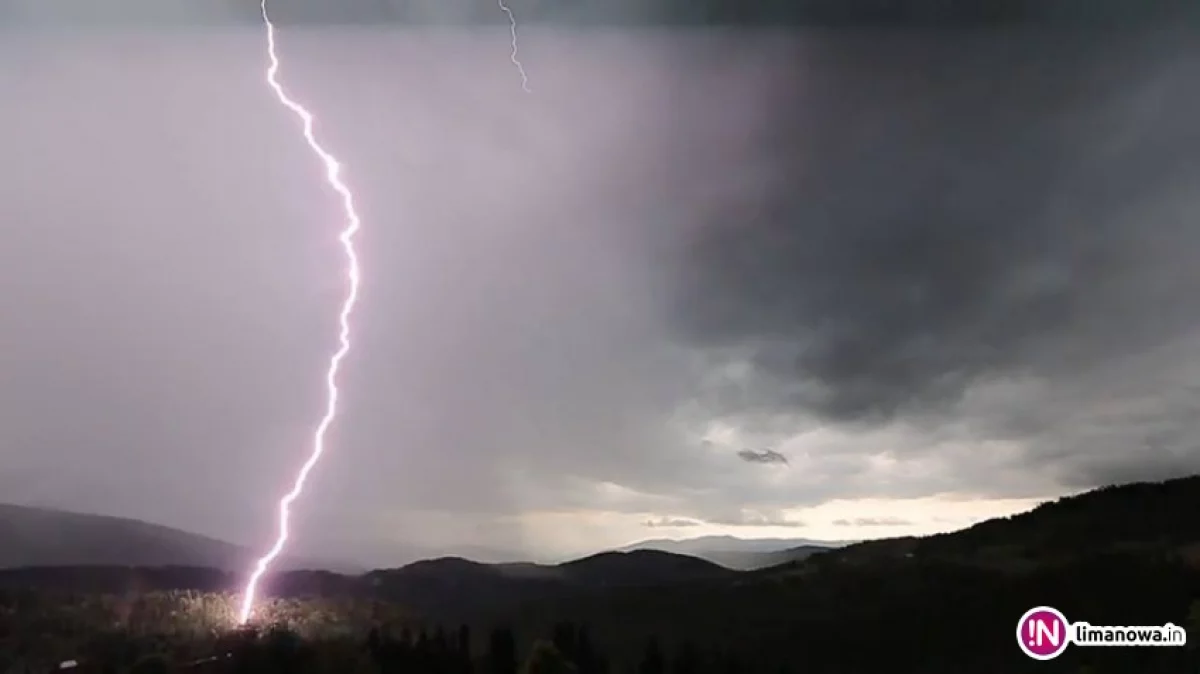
512, 55
333, 176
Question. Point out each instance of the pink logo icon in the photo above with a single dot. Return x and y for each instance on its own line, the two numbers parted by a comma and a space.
1043, 633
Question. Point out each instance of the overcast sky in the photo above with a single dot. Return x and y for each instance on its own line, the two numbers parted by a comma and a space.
823, 285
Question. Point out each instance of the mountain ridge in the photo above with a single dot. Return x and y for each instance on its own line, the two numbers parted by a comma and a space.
742, 554
71, 538
1033, 551
45, 537
1132, 519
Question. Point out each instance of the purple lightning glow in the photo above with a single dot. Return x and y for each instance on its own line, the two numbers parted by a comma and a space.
333, 176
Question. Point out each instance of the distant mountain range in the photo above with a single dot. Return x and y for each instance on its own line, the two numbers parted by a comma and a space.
446, 588
1107, 555
111, 554
740, 553
36, 537
94, 553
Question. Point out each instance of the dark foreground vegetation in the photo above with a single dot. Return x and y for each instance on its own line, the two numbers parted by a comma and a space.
939, 605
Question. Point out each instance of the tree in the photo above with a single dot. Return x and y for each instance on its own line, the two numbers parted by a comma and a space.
1193, 621
586, 658
462, 651
546, 659
464, 640
653, 661
687, 661
374, 642
564, 640
151, 664
502, 652
285, 650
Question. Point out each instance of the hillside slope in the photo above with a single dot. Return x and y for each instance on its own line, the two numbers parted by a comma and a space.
41, 537
751, 561
935, 605
739, 553
456, 588
1124, 555
1146, 518
449, 588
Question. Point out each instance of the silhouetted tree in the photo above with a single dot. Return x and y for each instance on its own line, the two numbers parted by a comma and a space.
653, 661
374, 642
586, 658
151, 664
544, 658
687, 660
286, 652
464, 639
1193, 622
502, 652
563, 638
462, 656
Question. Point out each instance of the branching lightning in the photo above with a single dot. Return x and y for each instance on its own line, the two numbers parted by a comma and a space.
333, 176
512, 55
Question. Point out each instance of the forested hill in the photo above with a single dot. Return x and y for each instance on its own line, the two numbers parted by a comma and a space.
1124, 555
1143, 518
943, 604
35, 537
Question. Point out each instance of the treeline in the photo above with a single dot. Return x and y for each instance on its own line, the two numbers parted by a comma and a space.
569, 649
279, 650
907, 616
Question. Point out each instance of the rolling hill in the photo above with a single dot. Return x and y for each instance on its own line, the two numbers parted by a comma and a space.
1145, 518
41, 537
455, 589
1141, 518
449, 588
739, 553
1119, 555
1122, 555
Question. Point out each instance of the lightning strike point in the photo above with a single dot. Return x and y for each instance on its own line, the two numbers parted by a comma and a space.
512, 55
333, 177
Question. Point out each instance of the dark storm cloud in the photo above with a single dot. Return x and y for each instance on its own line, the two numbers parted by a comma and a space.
977, 229
937, 212
586, 12
727, 12
764, 456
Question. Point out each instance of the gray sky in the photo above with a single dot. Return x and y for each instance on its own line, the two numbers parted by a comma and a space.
823, 285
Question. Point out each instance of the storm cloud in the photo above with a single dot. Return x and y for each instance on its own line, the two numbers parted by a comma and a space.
764, 456
925, 219
917, 264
